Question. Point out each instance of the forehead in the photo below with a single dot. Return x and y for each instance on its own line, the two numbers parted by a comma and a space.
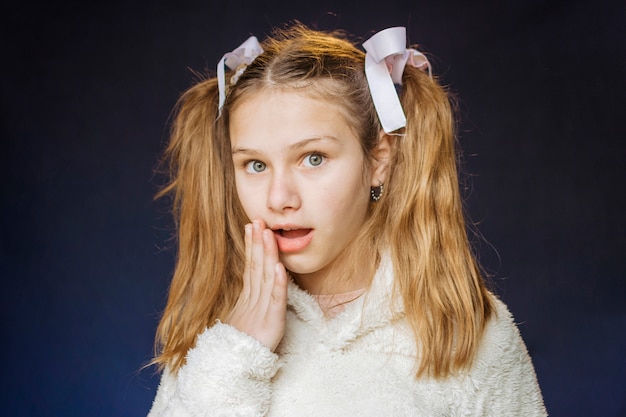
271, 117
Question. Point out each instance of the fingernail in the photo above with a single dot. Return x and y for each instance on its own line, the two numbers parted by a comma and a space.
256, 225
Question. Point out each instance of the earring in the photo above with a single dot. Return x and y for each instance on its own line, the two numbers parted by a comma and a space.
376, 192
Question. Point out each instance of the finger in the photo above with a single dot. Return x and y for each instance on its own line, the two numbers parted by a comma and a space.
256, 260
278, 306
270, 258
245, 291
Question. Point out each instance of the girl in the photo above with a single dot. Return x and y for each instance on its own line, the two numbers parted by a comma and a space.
323, 265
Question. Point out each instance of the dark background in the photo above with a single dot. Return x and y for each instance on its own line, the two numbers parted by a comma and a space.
85, 253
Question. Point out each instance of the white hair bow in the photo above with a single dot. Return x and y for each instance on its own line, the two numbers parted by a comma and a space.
385, 59
243, 54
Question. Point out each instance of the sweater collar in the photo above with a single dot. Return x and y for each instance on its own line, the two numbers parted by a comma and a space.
376, 308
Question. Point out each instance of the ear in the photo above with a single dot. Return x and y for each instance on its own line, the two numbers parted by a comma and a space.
381, 158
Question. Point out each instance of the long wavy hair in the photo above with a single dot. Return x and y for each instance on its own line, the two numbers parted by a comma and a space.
419, 221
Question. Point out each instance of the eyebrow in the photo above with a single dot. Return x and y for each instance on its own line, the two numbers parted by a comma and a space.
298, 145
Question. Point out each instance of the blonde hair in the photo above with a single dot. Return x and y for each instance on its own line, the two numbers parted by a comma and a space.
419, 221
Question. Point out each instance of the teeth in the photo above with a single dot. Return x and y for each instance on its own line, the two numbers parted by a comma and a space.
283, 231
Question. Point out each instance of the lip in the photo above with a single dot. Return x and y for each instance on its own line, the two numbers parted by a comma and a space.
292, 238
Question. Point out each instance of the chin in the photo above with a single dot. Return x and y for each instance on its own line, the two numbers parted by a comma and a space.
299, 267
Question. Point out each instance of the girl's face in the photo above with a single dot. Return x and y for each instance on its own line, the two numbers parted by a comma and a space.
300, 168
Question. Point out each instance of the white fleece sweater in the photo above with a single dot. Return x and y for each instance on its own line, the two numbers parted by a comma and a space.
361, 363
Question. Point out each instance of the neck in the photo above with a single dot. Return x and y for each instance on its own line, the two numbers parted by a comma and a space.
347, 273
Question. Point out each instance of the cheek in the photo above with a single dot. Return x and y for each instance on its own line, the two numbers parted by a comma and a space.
247, 197
347, 200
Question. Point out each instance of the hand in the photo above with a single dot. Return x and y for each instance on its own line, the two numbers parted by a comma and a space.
261, 308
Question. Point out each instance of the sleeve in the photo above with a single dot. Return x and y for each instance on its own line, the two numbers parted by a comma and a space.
503, 380
227, 373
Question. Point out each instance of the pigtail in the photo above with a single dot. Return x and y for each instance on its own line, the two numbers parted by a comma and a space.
444, 296
205, 284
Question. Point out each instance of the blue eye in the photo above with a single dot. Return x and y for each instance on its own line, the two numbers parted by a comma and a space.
255, 166
314, 159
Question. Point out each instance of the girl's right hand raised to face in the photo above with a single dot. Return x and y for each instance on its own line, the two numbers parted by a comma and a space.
261, 308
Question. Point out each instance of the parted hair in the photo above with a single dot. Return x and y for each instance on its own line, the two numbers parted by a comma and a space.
419, 221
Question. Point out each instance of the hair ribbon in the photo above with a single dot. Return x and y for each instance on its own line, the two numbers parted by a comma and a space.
385, 59
244, 54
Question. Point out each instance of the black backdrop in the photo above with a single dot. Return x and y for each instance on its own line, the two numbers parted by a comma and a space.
85, 254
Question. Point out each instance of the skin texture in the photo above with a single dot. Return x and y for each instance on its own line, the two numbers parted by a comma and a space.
299, 171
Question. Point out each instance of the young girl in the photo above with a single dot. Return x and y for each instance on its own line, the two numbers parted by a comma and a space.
323, 263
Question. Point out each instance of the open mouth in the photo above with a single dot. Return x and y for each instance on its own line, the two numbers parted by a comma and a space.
293, 233
293, 240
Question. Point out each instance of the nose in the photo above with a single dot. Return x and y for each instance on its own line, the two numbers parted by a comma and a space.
283, 192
